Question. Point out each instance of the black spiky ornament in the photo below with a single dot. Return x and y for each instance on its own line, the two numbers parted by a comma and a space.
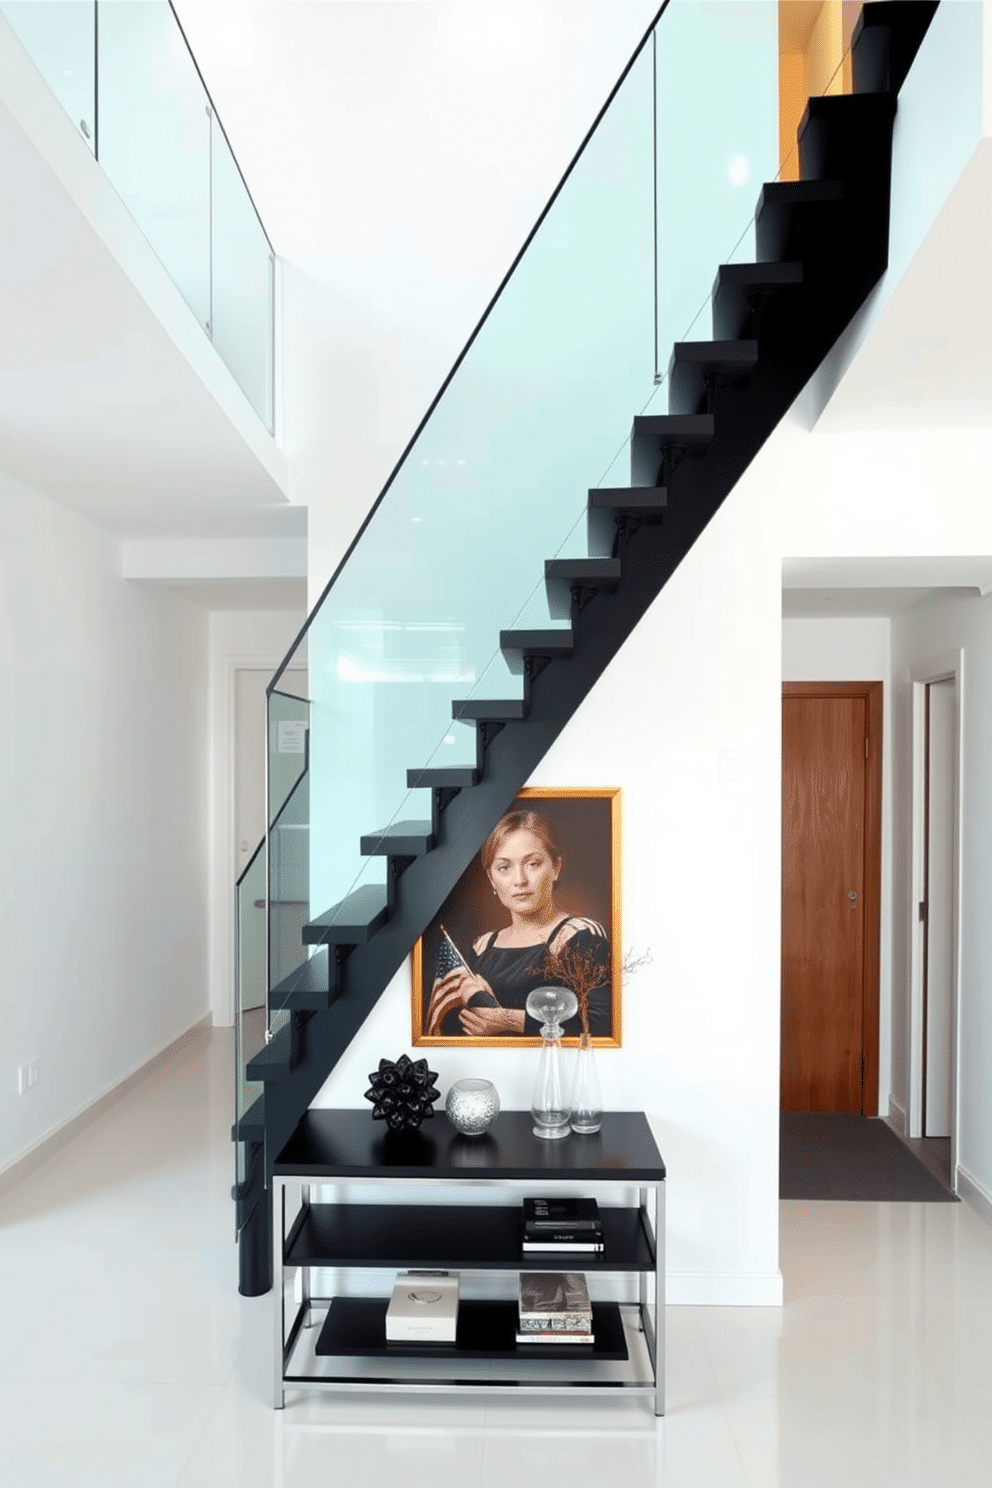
402, 1093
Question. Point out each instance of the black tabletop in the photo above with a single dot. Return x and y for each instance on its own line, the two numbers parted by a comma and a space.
349, 1144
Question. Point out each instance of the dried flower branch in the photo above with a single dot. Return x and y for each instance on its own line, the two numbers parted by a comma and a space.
582, 971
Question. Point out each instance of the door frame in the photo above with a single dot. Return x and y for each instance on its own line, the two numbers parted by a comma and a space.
939, 668
872, 694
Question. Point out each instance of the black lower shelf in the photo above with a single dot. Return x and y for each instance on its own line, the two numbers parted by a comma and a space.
356, 1326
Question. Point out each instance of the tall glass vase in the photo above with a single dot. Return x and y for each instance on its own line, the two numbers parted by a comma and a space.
587, 1098
551, 1006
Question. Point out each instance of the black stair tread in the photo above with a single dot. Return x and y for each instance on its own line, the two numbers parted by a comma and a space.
737, 287
757, 275
798, 193
557, 642
410, 838
783, 228
733, 353
441, 777
352, 922
682, 428
846, 136
273, 1061
489, 710
308, 987
635, 501
692, 362
602, 571
251, 1127
883, 60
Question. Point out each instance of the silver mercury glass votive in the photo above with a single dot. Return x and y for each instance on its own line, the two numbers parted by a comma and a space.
472, 1106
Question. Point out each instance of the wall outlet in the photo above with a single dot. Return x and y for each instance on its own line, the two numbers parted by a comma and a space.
28, 1075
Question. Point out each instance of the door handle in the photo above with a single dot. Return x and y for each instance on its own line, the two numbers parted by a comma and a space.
853, 898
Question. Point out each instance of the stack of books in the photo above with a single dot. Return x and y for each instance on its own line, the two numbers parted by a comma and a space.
554, 1308
562, 1225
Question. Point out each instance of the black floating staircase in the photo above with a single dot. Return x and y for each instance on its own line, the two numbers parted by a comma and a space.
821, 245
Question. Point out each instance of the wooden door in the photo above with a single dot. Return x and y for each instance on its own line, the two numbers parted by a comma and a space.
829, 900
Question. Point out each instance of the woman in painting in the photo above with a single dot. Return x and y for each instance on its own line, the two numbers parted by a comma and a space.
484, 996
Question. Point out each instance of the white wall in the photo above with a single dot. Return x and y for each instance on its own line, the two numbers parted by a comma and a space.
237, 638
845, 649
104, 802
935, 629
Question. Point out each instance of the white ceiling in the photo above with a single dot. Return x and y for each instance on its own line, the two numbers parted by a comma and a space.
825, 588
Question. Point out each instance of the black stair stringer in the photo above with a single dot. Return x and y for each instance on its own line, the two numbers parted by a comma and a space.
842, 234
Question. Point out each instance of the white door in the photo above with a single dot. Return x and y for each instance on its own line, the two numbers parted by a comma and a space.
939, 894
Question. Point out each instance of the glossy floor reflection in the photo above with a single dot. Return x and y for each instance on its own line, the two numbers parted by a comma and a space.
127, 1357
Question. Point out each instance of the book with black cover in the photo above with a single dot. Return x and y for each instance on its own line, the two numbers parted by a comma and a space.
556, 1214
549, 1335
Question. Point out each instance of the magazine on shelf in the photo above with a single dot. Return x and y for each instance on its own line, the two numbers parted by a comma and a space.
554, 1301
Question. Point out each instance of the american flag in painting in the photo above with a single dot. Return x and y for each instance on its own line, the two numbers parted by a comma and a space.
449, 957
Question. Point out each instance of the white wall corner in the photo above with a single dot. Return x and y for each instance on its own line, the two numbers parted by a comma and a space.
974, 1194
898, 1119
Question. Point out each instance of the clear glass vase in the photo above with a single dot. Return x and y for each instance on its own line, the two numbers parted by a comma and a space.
587, 1098
551, 1006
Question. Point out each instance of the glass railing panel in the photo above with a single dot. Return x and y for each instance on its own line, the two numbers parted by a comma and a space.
717, 130
154, 141
249, 993
289, 887
59, 37
243, 281
496, 477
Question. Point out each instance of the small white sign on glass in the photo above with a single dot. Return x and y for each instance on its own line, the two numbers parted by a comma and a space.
292, 736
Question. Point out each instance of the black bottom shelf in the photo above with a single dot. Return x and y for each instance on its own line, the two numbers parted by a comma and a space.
356, 1326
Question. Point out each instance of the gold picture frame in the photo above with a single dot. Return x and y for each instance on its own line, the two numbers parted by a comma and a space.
586, 820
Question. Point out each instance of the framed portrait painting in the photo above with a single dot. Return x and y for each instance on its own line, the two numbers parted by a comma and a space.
538, 906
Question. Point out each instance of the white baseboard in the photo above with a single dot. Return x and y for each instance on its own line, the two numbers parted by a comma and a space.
975, 1194
898, 1117
724, 1289
45, 1147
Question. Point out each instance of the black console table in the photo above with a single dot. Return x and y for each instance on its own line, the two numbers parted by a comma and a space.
387, 1216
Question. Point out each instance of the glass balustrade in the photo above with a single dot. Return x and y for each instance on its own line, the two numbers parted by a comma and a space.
289, 835
127, 79
59, 37
250, 1020
537, 411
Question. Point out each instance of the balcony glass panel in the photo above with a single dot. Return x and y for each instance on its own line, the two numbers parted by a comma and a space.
154, 138
59, 37
243, 271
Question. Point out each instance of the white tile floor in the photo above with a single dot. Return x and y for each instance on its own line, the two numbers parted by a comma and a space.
127, 1357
